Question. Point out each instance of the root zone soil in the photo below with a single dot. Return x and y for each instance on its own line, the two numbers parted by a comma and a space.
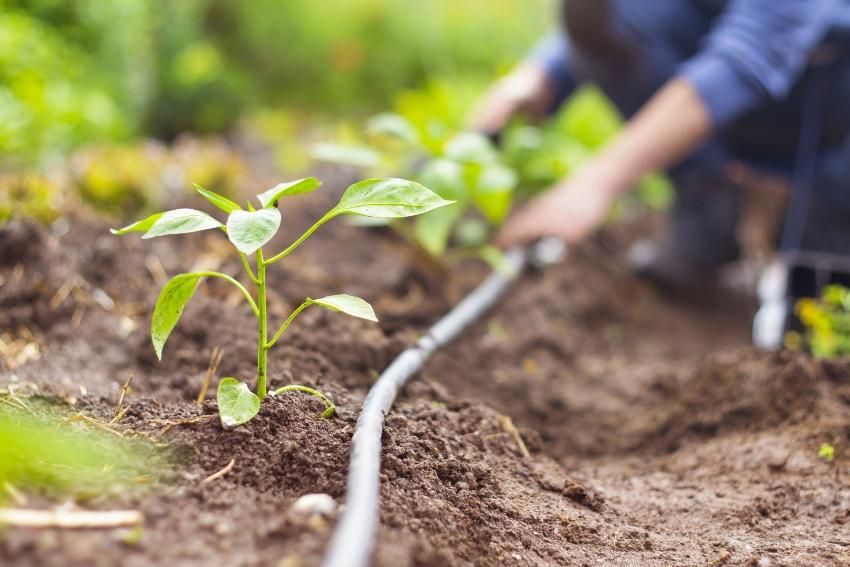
585, 421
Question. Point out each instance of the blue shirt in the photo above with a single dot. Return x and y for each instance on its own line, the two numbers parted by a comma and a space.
755, 50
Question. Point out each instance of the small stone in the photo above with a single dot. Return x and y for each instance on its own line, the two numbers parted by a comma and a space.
315, 504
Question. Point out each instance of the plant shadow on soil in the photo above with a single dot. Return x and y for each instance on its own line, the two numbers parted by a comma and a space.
584, 421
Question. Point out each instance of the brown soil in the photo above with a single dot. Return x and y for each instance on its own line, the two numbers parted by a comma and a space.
655, 435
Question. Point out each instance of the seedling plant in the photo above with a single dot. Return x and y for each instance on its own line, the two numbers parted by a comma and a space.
463, 167
249, 230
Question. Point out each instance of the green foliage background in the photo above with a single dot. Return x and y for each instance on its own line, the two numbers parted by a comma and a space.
88, 71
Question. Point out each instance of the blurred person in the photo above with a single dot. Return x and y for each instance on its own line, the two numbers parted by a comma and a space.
704, 85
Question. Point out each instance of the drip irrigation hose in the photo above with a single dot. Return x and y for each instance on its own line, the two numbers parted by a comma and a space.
354, 536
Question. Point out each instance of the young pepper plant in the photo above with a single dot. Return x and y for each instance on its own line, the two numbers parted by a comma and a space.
249, 230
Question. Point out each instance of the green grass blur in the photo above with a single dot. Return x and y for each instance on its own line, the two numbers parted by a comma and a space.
50, 457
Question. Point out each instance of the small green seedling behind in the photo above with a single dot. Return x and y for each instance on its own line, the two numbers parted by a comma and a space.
464, 167
826, 323
826, 452
249, 230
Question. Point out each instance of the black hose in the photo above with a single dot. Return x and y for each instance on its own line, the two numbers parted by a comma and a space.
354, 536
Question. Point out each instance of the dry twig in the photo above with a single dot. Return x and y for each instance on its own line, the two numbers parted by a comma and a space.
95, 422
216, 475
215, 359
69, 519
119, 409
508, 427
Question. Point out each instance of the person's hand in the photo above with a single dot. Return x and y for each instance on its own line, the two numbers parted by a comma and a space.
526, 91
571, 210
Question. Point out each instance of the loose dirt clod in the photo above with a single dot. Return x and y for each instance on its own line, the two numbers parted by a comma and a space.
322, 504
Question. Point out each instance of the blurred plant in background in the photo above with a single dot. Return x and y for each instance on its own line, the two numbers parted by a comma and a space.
123, 179
543, 155
68, 75
354, 56
93, 71
119, 178
126, 179
30, 195
424, 139
826, 323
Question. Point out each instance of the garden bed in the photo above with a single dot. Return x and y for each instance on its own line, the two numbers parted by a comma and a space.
585, 421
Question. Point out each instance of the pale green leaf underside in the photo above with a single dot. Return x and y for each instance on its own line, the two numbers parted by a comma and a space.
471, 147
169, 307
250, 230
444, 177
181, 221
434, 229
219, 201
139, 226
297, 187
388, 198
237, 404
391, 124
348, 304
346, 154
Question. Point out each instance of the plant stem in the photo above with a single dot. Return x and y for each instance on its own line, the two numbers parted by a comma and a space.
286, 323
328, 216
248, 267
241, 287
262, 347
329, 406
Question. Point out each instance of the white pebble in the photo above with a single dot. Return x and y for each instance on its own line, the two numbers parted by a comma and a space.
315, 504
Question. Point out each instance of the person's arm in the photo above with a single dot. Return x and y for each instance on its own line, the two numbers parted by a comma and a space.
671, 125
756, 51
534, 89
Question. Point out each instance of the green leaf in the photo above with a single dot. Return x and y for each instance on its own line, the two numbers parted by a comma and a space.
493, 191
471, 147
391, 124
472, 232
237, 404
250, 230
299, 186
181, 221
139, 226
219, 201
346, 154
433, 229
348, 304
169, 307
445, 178
388, 198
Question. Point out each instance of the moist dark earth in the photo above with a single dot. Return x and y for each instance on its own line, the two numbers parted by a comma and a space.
586, 420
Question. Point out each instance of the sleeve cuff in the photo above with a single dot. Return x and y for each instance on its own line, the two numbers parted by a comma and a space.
552, 54
725, 91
